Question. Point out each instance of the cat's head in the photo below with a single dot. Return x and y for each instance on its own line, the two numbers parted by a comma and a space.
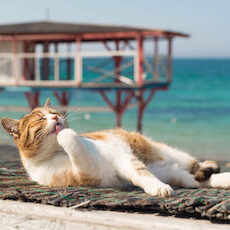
35, 130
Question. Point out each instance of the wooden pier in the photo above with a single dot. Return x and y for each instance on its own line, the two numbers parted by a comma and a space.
54, 56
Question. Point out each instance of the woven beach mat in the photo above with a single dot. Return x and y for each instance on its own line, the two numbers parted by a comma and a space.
198, 203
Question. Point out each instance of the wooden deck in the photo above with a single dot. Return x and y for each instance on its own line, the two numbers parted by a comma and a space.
30, 86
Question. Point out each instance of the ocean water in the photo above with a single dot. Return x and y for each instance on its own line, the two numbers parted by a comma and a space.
193, 115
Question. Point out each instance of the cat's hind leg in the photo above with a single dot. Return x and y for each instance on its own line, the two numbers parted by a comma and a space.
133, 170
206, 175
174, 175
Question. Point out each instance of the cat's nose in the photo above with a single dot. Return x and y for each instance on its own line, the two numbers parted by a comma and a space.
55, 117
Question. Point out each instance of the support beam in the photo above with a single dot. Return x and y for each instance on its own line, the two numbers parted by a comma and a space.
142, 104
156, 60
31, 62
68, 64
45, 63
106, 45
63, 98
117, 62
33, 99
120, 106
169, 60
56, 62
140, 59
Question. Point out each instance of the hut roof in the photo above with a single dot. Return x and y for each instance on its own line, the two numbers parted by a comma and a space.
51, 27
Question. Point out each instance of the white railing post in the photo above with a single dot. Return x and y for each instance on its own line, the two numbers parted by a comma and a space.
78, 62
37, 69
136, 66
15, 62
56, 67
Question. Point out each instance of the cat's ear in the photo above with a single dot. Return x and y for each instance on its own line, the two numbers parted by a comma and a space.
47, 104
11, 126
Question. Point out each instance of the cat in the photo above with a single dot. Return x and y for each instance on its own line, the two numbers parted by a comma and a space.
55, 155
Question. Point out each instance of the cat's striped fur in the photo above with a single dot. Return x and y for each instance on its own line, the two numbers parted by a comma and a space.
55, 155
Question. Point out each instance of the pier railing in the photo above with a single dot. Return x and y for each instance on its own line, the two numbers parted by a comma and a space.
74, 69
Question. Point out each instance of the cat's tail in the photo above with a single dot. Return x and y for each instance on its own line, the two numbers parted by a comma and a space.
203, 170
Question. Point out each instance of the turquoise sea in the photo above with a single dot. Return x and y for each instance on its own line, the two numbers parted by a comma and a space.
194, 114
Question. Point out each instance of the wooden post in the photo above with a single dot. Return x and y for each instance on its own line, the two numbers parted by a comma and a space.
32, 99
140, 59
56, 63
31, 62
156, 60
169, 61
45, 62
78, 62
117, 63
68, 64
142, 104
15, 61
120, 106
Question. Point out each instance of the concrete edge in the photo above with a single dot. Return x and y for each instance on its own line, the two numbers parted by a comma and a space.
104, 219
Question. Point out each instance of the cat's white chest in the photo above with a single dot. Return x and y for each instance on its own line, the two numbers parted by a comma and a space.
42, 172
104, 154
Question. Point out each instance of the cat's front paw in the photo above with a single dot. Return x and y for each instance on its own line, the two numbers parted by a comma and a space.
159, 190
66, 137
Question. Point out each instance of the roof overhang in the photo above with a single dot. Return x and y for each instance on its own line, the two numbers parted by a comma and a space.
53, 31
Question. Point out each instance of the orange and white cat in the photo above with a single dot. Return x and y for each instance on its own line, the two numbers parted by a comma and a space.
55, 155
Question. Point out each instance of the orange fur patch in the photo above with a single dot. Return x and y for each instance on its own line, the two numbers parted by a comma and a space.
95, 135
141, 146
64, 179
67, 178
32, 129
86, 180
140, 168
29, 126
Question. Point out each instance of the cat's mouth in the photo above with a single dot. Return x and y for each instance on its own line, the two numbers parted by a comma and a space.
57, 128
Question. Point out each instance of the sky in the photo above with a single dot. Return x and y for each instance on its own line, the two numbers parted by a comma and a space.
207, 21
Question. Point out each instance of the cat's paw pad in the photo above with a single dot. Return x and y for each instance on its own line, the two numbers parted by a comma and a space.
159, 190
65, 136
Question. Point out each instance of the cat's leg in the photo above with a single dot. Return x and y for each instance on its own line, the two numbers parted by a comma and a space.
206, 176
133, 170
173, 155
78, 154
185, 162
174, 175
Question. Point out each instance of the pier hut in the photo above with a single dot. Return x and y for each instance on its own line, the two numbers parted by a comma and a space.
64, 57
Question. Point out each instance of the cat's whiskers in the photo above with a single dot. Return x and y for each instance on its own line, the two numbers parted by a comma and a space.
40, 133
